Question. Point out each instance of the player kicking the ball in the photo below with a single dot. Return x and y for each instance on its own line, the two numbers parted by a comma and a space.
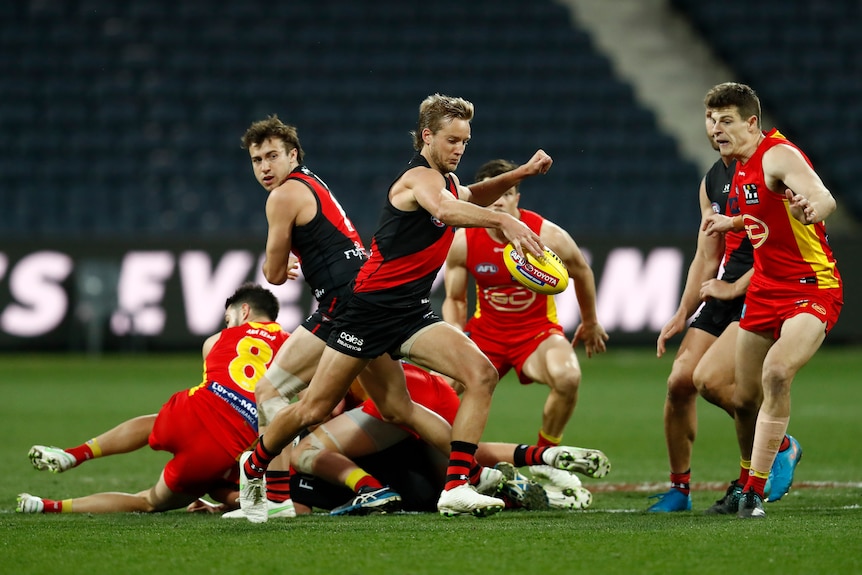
516, 327
390, 312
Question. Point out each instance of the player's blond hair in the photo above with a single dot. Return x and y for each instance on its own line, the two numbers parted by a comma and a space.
437, 110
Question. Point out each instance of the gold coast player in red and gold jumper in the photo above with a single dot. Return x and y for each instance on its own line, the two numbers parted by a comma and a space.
795, 294
206, 428
518, 328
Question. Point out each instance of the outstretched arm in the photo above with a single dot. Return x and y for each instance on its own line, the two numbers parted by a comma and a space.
487, 191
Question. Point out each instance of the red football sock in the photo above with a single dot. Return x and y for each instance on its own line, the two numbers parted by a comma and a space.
278, 486
529, 455
85, 451
681, 481
461, 460
756, 483
52, 506
255, 466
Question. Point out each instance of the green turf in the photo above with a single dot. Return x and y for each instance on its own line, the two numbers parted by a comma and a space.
64, 400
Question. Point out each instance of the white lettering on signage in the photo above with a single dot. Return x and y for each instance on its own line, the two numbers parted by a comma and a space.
636, 294
35, 284
141, 291
205, 289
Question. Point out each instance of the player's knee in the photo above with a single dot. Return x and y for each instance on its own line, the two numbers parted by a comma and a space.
776, 378
680, 385
482, 378
269, 408
566, 383
264, 390
302, 459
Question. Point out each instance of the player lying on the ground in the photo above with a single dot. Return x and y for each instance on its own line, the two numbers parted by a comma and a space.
206, 428
395, 470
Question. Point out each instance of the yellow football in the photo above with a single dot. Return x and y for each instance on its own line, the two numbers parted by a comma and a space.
547, 275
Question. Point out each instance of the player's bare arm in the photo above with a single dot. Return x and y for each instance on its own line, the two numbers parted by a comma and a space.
288, 205
785, 169
703, 267
209, 343
590, 331
427, 188
456, 279
487, 191
719, 289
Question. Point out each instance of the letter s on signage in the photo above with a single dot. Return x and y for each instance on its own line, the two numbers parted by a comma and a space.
35, 282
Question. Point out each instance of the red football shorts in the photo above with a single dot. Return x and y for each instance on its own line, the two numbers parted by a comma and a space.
202, 459
766, 313
511, 350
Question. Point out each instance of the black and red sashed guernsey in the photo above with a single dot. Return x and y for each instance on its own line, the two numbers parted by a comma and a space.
328, 247
407, 251
739, 253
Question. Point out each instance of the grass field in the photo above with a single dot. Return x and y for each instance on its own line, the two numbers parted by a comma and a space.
817, 528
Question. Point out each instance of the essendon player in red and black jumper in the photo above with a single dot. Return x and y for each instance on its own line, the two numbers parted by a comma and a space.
328, 247
390, 312
716, 314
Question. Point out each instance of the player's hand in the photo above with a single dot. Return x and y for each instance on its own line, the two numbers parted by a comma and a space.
593, 336
716, 224
203, 506
717, 289
540, 163
292, 267
522, 237
800, 208
674, 326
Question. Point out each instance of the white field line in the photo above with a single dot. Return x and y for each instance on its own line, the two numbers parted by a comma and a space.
656, 487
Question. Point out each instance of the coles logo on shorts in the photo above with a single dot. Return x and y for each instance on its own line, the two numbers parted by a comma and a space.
350, 341
818, 308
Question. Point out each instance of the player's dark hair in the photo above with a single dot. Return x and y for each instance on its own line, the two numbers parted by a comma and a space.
494, 168
259, 299
734, 95
272, 127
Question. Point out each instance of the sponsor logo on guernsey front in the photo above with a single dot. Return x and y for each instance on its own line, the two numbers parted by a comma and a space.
350, 341
749, 192
244, 407
437, 223
356, 252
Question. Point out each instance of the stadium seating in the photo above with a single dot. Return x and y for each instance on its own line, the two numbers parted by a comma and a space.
125, 117
804, 59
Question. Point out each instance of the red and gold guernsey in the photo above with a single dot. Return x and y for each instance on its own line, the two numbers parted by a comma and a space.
407, 251
501, 302
232, 369
787, 253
